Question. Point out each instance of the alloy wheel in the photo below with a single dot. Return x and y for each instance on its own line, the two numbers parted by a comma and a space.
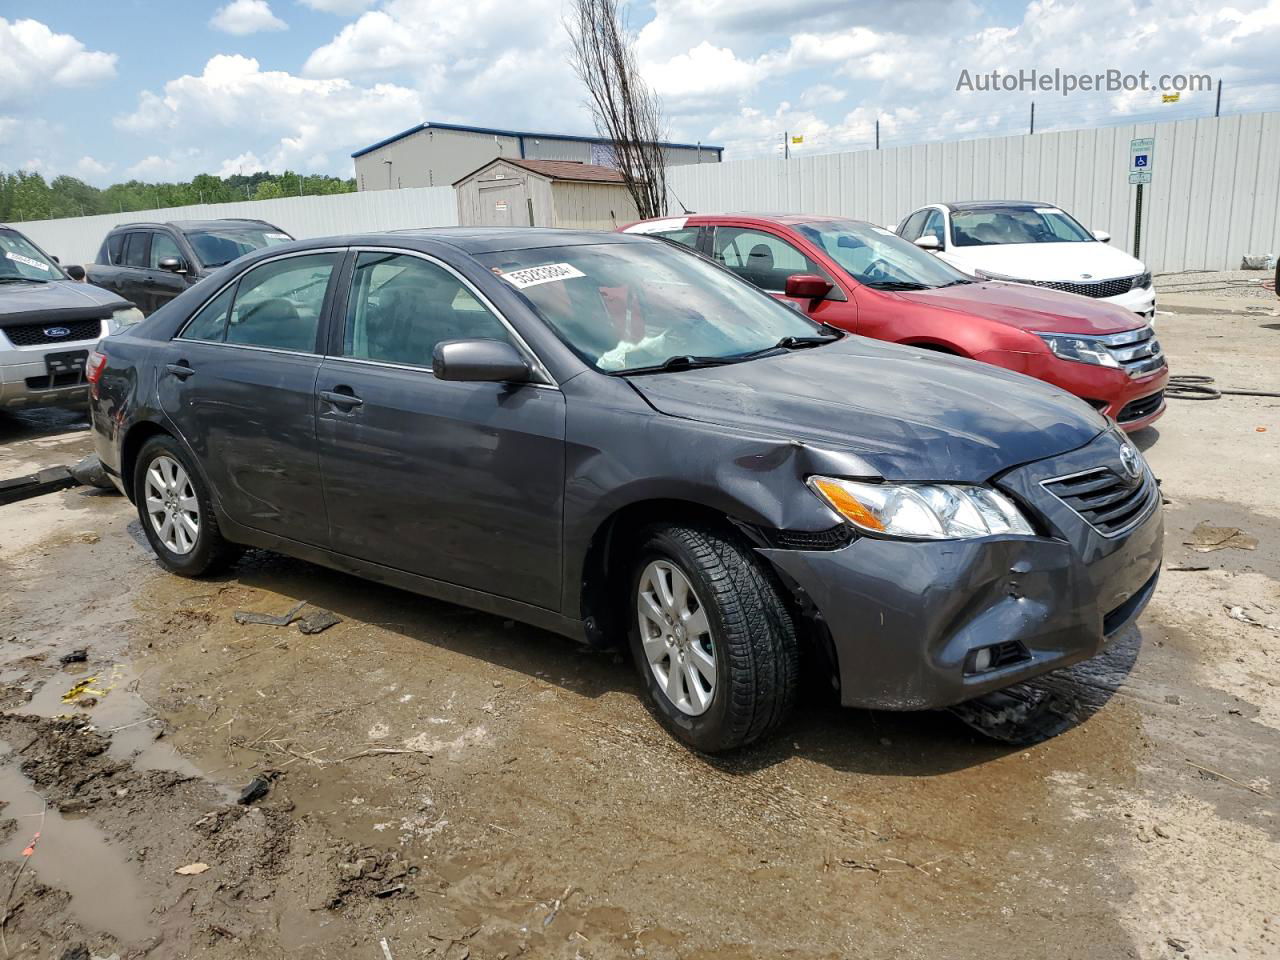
676, 636
172, 505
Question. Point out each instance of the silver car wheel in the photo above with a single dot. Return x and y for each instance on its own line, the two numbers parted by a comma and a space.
676, 636
172, 505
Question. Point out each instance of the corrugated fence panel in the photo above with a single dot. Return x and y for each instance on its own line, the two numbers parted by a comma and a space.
76, 239
1213, 198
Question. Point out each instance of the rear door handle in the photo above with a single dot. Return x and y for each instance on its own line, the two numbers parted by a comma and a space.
179, 370
341, 399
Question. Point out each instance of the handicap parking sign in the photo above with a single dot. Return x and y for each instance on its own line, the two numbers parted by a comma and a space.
1140, 160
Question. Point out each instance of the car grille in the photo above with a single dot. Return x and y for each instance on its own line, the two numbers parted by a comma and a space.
1142, 407
33, 334
1137, 352
1108, 502
1090, 288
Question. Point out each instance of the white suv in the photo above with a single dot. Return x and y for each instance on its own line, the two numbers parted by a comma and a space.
1033, 243
48, 324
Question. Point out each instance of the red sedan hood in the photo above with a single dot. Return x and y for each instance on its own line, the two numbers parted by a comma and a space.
1030, 308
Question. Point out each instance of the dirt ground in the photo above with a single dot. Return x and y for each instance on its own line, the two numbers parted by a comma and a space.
446, 784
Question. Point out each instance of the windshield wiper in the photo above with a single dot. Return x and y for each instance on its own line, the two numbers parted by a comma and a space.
22, 280
793, 343
953, 283
681, 362
896, 285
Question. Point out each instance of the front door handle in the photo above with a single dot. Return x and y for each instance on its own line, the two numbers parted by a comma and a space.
341, 398
179, 370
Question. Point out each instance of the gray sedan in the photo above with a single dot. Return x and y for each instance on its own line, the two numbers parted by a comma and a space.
611, 438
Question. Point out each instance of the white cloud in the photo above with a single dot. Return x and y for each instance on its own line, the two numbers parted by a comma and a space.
88, 167
241, 17
343, 8
33, 57
245, 164
284, 119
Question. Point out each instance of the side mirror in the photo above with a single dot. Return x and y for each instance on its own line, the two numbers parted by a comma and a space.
55, 260
928, 242
807, 286
173, 264
75, 272
1102, 236
482, 361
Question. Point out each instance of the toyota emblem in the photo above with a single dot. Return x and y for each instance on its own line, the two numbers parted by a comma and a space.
54, 332
1130, 461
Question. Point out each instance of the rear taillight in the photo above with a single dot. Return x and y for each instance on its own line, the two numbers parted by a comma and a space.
94, 364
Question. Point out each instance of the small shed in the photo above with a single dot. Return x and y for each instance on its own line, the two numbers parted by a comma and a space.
508, 192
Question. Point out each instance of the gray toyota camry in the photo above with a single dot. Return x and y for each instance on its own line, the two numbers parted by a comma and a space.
611, 438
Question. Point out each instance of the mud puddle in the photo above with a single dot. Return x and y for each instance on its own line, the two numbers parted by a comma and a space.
73, 855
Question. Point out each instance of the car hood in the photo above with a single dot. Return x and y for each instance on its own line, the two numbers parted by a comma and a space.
1049, 261
909, 413
55, 300
1030, 308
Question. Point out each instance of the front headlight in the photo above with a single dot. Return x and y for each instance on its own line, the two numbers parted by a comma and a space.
123, 318
1079, 349
1144, 281
922, 511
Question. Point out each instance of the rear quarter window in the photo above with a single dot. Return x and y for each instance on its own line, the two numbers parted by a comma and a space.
115, 248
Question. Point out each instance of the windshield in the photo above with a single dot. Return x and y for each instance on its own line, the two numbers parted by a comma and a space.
879, 259
627, 306
996, 225
224, 244
20, 260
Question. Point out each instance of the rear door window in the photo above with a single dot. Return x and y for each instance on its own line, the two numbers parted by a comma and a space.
401, 306
278, 304
135, 249
115, 248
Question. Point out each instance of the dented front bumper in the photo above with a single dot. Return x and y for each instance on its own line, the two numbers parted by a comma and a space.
904, 617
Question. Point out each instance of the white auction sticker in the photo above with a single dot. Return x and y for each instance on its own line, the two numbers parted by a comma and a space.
547, 273
277, 236
27, 260
1047, 210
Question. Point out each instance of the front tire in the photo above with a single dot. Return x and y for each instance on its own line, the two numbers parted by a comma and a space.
176, 511
713, 641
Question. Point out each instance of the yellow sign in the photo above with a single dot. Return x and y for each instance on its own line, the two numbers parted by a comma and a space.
1170, 98
798, 139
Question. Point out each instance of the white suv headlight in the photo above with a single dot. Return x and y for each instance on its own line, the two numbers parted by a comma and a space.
922, 511
123, 318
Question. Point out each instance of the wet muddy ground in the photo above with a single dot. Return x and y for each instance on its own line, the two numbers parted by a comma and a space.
455, 785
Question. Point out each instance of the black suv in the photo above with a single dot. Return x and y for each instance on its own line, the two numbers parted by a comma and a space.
151, 263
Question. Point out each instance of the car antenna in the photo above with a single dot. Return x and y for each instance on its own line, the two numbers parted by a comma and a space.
683, 209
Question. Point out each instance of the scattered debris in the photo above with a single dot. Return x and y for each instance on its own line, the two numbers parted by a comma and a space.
386, 950
1020, 714
1205, 538
390, 891
89, 472
78, 655
316, 621
1219, 775
78, 952
1238, 613
82, 686
258, 787
192, 869
1190, 568
266, 619
1178, 945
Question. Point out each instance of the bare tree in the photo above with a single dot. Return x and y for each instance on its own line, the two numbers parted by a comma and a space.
626, 110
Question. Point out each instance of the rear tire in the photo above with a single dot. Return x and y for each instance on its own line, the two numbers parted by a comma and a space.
717, 654
176, 511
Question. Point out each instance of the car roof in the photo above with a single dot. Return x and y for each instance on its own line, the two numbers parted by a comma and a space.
186, 225
475, 240
995, 205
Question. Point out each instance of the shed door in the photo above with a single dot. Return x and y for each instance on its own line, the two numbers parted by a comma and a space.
503, 203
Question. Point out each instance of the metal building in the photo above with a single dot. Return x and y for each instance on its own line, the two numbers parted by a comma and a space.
544, 193
438, 154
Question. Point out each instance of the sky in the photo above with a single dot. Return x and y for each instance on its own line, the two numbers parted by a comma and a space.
132, 89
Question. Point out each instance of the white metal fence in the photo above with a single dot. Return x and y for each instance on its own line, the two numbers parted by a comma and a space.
76, 239
1213, 198
1214, 195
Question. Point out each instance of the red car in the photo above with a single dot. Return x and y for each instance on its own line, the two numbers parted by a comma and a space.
865, 279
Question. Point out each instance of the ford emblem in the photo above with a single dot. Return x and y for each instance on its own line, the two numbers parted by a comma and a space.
52, 332
1130, 461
